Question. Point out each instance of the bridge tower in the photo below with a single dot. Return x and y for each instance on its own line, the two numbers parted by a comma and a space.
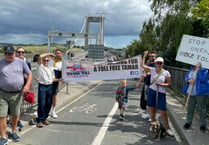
100, 20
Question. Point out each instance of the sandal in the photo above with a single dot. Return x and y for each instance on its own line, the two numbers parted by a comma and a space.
40, 125
46, 122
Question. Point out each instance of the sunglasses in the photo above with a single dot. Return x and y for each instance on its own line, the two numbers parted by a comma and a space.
20, 52
151, 56
159, 63
46, 60
8, 53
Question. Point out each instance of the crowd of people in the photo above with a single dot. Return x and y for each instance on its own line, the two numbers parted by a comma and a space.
155, 79
16, 79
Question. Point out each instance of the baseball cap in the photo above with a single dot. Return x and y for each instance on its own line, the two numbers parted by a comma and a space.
9, 49
159, 59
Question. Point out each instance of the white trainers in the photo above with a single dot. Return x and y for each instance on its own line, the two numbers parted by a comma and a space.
170, 132
35, 114
145, 116
54, 115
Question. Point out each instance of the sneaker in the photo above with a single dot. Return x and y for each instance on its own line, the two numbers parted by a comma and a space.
39, 125
35, 114
187, 126
145, 116
19, 124
170, 132
46, 122
203, 128
121, 117
3, 141
54, 115
14, 137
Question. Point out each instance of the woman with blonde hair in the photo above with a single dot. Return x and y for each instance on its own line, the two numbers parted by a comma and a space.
156, 98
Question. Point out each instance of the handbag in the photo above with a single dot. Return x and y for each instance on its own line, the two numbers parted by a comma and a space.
143, 102
29, 97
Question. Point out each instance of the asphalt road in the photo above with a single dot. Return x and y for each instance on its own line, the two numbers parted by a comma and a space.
93, 120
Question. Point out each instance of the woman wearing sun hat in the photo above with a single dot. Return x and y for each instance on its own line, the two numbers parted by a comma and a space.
156, 99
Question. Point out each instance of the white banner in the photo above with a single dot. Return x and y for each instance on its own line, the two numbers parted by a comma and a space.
194, 49
79, 71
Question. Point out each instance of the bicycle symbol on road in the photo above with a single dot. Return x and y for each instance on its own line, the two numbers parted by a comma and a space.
88, 108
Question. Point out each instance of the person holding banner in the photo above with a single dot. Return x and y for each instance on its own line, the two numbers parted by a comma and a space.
197, 84
151, 63
156, 98
122, 97
46, 77
56, 64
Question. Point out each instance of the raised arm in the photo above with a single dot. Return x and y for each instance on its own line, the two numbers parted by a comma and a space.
42, 56
143, 65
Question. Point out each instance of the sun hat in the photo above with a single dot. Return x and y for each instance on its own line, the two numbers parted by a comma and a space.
159, 59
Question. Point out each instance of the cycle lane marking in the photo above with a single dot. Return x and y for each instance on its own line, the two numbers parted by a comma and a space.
98, 139
87, 108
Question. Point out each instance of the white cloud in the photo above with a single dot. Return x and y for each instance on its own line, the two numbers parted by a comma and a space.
33, 18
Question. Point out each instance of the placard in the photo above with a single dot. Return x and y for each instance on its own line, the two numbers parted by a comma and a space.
193, 50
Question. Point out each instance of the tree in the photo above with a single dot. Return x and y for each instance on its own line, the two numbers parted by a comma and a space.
200, 14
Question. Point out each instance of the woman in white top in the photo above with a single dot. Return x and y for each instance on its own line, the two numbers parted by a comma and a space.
156, 99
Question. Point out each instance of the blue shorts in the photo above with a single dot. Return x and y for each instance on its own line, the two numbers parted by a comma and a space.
160, 103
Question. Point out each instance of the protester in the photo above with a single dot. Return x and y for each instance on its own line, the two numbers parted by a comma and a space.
156, 98
197, 84
122, 97
150, 63
12, 71
56, 64
45, 77
20, 53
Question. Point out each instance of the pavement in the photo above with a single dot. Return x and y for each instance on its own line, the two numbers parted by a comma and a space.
176, 112
177, 116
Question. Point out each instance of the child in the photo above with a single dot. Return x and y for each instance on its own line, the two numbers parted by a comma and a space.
122, 97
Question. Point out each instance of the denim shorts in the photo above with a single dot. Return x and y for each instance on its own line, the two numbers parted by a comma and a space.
10, 103
159, 102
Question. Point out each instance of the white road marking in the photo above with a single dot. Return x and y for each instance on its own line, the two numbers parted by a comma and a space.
81, 96
98, 139
62, 108
87, 108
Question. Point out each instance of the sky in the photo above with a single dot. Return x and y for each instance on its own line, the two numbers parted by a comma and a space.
29, 21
